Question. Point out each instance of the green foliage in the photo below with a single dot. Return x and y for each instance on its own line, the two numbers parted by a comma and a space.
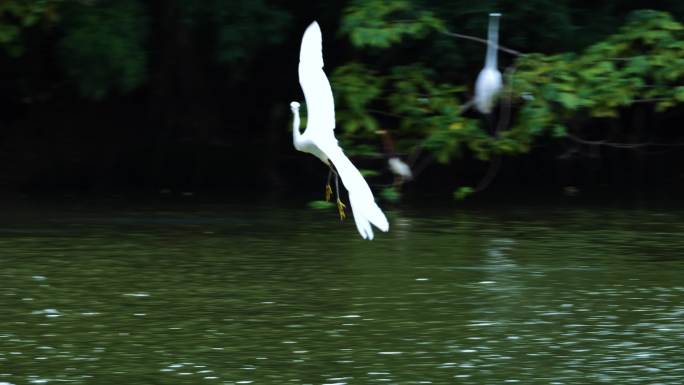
242, 26
366, 173
679, 93
360, 149
17, 15
426, 112
463, 192
391, 194
355, 88
103, 46
431, 110
321, 205
642, 62
378, 23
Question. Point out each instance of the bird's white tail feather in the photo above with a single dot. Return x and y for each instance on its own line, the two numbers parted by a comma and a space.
365, 213
364, 208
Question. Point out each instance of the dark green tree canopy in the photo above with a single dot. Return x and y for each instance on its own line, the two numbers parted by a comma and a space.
221, 72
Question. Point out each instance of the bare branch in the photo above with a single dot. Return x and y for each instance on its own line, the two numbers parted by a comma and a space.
621, 145
483, 41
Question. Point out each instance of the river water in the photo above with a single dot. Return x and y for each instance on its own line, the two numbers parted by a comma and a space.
219, 294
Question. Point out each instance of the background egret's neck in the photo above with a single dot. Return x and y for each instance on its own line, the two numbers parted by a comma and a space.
296, 135
492, 40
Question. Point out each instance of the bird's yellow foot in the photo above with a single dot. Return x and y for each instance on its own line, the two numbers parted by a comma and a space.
328, 192
340, 209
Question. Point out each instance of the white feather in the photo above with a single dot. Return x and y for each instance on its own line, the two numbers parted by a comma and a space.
319, 137
398, 167
363, 205
489, 82
320, 105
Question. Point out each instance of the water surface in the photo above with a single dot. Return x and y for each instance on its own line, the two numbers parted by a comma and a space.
215, 294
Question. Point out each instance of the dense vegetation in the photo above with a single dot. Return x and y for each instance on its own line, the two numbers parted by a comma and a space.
133, 94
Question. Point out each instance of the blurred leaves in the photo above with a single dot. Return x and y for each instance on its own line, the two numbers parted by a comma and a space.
103, 46
103, 43
355, 87
17, 15
378, 23
463, 192
242, 26
642, 62
391, 194
321, 205
366, 173
406, 73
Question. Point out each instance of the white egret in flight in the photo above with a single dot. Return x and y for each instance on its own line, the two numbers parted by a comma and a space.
488, 83
319, 139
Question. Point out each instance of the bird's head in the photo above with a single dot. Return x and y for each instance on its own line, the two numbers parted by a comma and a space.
294, 106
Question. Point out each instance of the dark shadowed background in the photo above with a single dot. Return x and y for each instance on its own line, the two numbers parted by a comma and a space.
185, 96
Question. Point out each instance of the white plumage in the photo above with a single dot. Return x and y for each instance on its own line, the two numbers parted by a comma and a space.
489, 83
399, 168
319, 138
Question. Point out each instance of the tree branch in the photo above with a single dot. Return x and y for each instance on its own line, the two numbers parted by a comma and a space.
621, 145
483, 41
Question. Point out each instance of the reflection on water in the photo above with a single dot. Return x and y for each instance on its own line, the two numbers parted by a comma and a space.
223, 296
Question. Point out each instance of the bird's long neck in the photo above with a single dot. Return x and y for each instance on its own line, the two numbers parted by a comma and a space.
492, 40
296, 135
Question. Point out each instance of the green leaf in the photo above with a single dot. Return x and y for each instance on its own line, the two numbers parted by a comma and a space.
321, 205
368, 173
558, 131
643, 60
391, 194
463, 192
679, 94
380, 24
569, 101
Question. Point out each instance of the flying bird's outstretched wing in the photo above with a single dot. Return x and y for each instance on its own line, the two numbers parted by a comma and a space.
320, 104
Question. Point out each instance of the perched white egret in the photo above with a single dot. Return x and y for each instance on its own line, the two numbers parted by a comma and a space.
319, 139
400, 168
489, 81
395, 164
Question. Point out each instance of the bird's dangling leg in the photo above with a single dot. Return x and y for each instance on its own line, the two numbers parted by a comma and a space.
340, 205
328, 189
340, 209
